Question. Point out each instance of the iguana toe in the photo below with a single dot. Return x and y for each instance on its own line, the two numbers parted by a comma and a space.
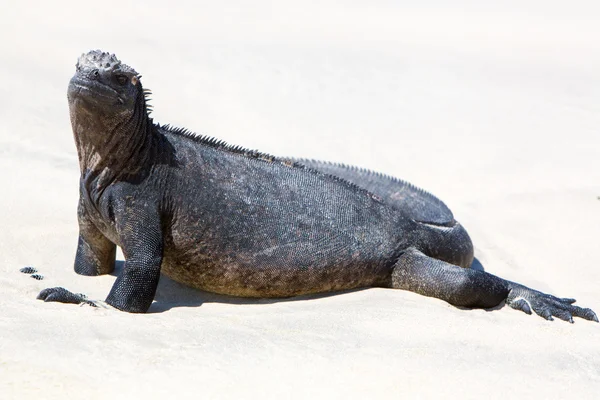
564, 315
544, 313
568, 300
520, 304
585, 313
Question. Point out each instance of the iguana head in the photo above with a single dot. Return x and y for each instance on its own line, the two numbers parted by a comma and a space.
103, 84
108, 111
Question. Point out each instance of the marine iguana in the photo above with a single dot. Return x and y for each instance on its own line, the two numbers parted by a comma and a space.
238, 222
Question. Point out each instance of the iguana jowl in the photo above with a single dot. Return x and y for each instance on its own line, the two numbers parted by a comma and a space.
243, 223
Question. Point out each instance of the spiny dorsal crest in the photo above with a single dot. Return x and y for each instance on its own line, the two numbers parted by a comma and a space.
147, 98
97, 59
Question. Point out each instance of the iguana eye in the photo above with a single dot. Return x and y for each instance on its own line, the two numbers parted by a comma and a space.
121, 79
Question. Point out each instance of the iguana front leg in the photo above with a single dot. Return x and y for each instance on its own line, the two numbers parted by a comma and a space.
142, 237
142, 244
416, 272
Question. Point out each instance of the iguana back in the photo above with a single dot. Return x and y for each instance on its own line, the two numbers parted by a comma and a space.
244, 223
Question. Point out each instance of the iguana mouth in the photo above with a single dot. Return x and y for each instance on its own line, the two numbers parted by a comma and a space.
91, 90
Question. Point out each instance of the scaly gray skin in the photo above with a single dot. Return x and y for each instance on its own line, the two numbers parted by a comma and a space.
242, 223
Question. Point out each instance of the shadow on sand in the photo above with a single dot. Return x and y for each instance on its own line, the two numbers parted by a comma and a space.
171, 294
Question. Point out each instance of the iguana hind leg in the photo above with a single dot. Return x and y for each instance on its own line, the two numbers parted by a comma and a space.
416, 272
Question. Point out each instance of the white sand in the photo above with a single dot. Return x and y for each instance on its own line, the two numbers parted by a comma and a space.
494, 108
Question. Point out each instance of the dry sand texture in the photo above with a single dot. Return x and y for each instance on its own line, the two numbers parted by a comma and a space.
493, 106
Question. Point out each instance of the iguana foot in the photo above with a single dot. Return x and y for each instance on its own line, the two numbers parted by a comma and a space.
545, 305
62, 295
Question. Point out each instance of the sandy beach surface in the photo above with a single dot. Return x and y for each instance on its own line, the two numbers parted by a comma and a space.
492, 106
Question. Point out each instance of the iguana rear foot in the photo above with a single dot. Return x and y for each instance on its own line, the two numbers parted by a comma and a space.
545, 305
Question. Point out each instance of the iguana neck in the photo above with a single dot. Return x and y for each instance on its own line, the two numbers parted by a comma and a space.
113, 149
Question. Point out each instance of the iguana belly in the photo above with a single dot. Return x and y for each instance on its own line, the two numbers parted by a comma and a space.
244, 280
